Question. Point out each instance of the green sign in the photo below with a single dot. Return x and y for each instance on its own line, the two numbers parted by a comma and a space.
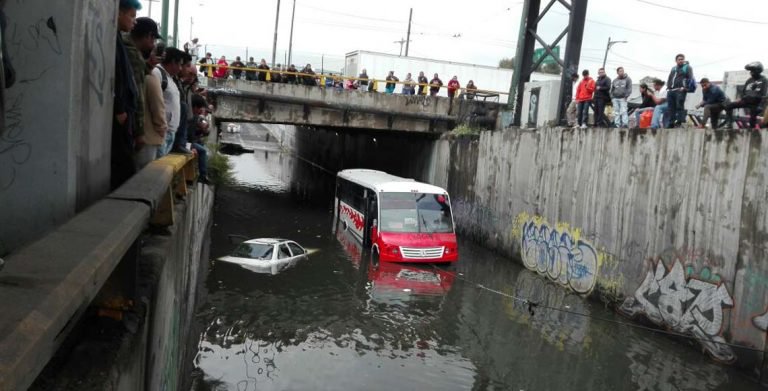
540, 52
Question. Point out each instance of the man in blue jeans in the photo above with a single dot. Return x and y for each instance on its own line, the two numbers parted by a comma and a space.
621, 89
677, 90
661, 109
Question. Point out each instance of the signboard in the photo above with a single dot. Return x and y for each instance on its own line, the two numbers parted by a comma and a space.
538, 53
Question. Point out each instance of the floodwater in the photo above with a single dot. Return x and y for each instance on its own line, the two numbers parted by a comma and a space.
333, 322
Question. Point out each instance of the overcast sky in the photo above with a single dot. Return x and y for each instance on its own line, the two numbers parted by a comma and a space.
483, 31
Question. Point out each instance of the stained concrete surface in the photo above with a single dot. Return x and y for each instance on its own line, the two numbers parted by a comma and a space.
668, 227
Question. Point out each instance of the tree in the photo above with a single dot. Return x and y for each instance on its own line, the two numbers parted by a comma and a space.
508, 63
552, 68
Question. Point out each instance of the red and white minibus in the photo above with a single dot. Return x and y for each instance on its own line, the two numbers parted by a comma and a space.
398, 219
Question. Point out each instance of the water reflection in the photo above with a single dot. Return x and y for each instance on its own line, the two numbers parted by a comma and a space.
337, 322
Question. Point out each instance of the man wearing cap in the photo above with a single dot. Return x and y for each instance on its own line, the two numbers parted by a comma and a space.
140, 41
126, 102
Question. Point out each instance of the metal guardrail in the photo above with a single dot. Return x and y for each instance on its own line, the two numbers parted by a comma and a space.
47, 286
463, 90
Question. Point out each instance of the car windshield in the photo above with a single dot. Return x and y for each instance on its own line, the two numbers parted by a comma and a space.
253, 250
415, 212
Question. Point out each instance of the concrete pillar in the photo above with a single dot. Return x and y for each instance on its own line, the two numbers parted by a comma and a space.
54, 157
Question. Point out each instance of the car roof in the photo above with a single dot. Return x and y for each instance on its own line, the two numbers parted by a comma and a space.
267, 240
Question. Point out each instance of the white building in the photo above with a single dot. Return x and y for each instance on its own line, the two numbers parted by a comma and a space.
485, 77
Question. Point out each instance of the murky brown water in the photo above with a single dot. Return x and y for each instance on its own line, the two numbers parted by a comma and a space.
334, 323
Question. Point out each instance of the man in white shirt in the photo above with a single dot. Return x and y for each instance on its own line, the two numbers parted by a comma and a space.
660, 111
570, 112
166, 72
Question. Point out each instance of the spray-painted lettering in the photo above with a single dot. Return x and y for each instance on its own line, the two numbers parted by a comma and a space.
559, 255
687, 305
423, 100
95, 65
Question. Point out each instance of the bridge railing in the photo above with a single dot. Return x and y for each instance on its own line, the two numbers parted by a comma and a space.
47, 286
372, 83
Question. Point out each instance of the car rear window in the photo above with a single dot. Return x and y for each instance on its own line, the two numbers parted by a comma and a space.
253, 250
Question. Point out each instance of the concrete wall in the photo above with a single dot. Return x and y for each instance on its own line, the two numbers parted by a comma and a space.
54, 155
171, 267
156, 352
276, 103
669, 227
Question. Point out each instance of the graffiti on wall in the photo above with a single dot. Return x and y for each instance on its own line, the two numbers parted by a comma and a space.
559, 253
684, 302
96, 56
761, 321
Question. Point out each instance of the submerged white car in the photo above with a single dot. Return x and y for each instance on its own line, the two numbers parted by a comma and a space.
266, 255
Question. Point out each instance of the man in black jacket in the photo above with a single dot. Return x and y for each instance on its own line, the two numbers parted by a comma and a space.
602, 95
754, 92
677, 90
126, 100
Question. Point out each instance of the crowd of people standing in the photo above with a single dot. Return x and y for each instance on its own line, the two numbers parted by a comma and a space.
662, 107
252, 71
158, 106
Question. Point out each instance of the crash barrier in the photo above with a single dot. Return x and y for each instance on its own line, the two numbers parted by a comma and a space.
47, 286
483, 94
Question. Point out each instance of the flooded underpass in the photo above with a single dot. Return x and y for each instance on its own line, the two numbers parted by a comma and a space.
335, 322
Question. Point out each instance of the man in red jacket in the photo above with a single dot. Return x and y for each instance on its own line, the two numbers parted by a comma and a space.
584, 93
453, 85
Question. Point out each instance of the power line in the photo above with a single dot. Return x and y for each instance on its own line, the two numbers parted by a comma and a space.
652, 33
638, 63
702, 14
337, 13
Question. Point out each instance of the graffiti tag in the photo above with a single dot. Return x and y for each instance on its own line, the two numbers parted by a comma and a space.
761, 321
423, 100
558, 255
684, 304
15, 150
95, 53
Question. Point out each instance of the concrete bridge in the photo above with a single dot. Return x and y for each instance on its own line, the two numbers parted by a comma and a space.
265, 102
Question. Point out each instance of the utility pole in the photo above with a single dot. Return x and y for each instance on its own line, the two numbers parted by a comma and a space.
290, 40
176, 23
164, 20
401, 42
408, 40
274, 44
608, 47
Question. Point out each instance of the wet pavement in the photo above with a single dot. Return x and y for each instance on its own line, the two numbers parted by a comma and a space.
333, 322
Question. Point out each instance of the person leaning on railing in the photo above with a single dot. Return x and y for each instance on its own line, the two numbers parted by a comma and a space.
471, 90
249, 74
435, 85
291, 76
362, 83
263, 70
237, 66
308, 76
409, 87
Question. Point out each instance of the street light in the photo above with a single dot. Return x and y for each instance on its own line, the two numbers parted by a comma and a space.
608, 47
